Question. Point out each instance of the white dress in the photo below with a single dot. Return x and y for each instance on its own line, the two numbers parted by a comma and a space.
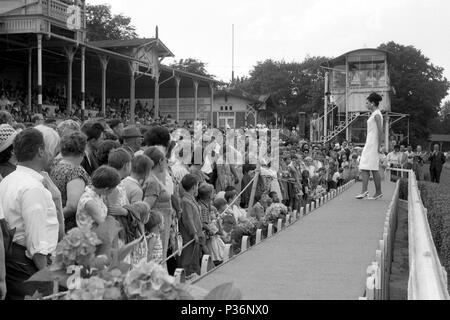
370, 158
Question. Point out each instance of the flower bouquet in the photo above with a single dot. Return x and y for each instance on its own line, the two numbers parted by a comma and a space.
86, 264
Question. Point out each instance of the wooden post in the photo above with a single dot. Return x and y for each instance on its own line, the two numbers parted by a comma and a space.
195, 100
207, 264
258, 236
83, 78
70, 52
104, 65
177, 87
270, 230
279, 225
39, 63
132, 91
211, 88
30, 77
244, 243
156, 100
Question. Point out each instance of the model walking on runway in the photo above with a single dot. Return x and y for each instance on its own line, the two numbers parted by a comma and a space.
370, 158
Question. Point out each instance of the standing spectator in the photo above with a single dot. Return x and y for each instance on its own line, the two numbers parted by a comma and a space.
404, 156
420, 157
94, 134
67, 126
69, 176
29, 208
140, 169
190, 226
7, 136
132, 139
409, 158
92, 210
2, 258
102, 152
116, 126
6, 118
437, 160
157, 195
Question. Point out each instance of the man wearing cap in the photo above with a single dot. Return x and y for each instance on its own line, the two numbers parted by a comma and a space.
7, 135
132, 139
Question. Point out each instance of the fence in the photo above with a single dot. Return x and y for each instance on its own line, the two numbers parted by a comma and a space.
427, 278
378, 273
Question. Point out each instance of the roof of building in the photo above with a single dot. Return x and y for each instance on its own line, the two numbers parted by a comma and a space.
342, 56
440, 137
132, 43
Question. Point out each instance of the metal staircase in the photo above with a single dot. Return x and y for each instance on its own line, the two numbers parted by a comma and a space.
352, 116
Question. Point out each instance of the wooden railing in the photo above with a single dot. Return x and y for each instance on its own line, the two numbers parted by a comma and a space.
378, 273
427, 277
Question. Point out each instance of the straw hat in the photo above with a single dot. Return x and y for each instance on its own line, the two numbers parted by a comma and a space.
7, 135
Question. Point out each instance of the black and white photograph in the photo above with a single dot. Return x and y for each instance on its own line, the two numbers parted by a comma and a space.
229, 155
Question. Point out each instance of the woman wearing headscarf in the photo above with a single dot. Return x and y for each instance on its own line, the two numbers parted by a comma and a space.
7, 162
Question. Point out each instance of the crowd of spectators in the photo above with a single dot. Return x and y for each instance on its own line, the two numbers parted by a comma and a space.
58, 175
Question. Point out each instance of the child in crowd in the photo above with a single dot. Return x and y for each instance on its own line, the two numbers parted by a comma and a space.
140, 168
155, 247
258, 210
226, 219
92, 210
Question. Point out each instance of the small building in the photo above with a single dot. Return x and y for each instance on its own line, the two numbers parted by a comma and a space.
442, 139
349, 80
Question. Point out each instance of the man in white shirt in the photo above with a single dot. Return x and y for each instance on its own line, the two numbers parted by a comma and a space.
2, 262
28, 207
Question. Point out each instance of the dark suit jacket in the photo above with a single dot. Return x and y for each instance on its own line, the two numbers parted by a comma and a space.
437, 161
90, 168
190, 222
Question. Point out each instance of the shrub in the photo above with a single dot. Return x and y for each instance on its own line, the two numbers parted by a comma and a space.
403, 191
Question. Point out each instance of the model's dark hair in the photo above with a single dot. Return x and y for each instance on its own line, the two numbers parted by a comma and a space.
375, 98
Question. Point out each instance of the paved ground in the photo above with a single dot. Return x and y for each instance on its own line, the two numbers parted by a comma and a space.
323, 256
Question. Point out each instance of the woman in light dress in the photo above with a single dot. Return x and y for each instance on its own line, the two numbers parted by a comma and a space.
370, 158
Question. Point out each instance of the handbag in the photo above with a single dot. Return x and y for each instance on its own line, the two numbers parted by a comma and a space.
8, 236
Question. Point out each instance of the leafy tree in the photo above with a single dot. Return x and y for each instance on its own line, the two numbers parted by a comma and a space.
294, 86
419, 87
191, 65
103, 25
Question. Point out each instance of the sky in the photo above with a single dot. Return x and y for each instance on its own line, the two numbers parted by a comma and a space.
287, 29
